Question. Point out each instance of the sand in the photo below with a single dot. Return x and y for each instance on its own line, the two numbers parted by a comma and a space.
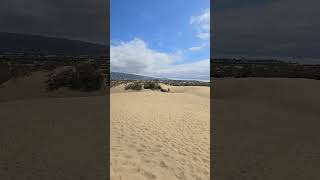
159, 135
59, 135
266, 128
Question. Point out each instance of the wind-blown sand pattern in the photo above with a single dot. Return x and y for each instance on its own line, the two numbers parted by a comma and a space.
158, 135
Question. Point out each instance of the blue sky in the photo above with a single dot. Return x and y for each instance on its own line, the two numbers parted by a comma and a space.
168, 38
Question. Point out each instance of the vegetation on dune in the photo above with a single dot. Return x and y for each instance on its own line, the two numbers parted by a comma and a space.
84, 77
59, 80
134, 86
4, 72
20, 71
151, 85
114, 83
87, 77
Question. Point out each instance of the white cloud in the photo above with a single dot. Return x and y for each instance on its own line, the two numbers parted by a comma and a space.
136, 57
202, 23
197, 48
199, 70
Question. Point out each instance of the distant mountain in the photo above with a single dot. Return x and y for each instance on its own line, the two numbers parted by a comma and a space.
126, 76
12, 43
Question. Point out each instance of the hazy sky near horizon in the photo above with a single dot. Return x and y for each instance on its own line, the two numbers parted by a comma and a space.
267, 28
168, 38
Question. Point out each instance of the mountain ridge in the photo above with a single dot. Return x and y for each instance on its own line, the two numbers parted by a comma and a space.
127, 76
15, 43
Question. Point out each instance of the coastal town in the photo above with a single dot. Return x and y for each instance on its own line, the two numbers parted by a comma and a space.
221, 68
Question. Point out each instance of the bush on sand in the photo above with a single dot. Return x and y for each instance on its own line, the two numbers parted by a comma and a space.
134, 86
85, 77
151, 85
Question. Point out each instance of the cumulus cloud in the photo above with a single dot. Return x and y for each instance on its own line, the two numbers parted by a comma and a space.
199, 70
202, 24
137, 58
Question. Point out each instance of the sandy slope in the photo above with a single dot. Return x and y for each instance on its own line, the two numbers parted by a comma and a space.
157, 135
55, 138
266, 129
43, 137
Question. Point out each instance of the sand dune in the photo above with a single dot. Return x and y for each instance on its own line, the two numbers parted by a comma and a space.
55, 138
158, 135
45, 137
266, 128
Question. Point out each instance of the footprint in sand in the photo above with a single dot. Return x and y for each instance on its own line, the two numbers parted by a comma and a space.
128, 156
140, 150
179, 173
205, 160
165, 154
147, 174
131, 146
143, 146
195, 158
163, 164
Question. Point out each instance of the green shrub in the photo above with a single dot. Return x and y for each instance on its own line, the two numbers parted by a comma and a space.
134, 86
151, 85
85, 78
62, 79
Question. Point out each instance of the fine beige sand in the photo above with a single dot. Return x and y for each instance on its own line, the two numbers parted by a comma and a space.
266, 128
160, 135
59, 135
